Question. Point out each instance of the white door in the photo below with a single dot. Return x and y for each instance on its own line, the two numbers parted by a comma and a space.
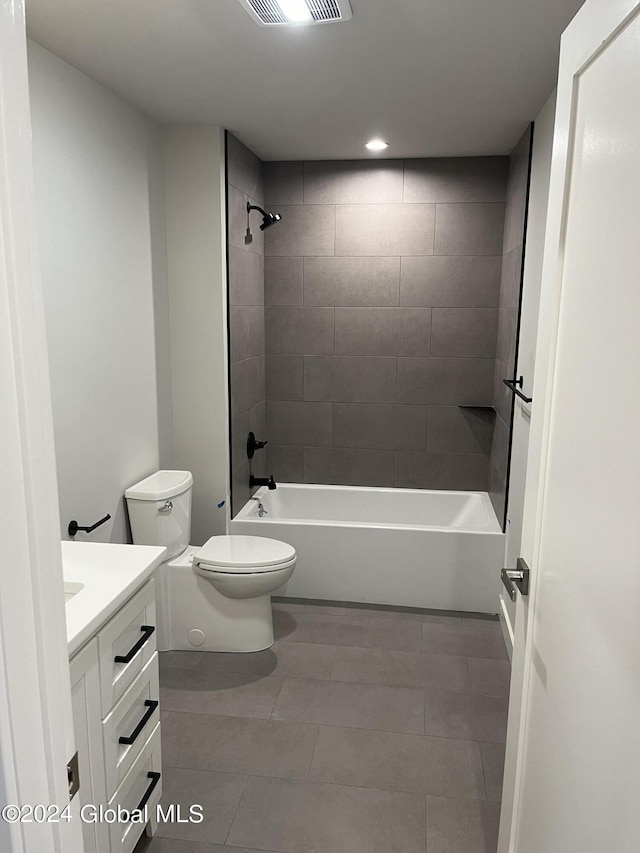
576, 776
36, 727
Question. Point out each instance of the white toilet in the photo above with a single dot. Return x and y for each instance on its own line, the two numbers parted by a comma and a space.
214, 598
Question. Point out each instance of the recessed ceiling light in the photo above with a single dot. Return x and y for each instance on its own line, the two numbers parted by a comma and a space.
295, 11
377, 145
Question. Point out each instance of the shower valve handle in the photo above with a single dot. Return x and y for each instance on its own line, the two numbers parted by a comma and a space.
253, 444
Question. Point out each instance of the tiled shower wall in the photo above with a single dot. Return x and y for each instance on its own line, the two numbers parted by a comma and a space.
510, 282
246, 314
382, 289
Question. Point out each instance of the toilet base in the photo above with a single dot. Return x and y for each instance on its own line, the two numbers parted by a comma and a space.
194, 616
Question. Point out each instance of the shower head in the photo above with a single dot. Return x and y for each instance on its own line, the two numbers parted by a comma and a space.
268, 219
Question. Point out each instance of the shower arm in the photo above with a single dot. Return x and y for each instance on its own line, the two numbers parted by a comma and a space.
251, 207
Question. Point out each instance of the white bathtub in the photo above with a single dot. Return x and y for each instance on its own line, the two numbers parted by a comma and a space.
412, 548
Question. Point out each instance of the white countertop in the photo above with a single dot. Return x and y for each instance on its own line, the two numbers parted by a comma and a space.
110, 574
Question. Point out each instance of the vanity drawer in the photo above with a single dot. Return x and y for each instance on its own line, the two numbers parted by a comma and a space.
141, 785
126, 644
133, 719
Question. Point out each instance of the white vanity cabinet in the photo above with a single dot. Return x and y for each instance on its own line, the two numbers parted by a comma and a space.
117, 722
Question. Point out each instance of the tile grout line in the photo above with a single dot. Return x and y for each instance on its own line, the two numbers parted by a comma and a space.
237, 808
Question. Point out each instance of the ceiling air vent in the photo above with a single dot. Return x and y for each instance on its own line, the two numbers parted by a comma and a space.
271, 13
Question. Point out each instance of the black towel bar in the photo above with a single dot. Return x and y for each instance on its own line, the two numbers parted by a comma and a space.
511, 384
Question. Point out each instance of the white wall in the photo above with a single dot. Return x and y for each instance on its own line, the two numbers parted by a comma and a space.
98, 178
196, 253
538, 199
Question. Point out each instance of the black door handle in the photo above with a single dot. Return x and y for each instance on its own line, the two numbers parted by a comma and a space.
151, 705
147, 631
155, 778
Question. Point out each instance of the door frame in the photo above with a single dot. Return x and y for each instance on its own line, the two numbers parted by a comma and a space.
36, 726
596, 24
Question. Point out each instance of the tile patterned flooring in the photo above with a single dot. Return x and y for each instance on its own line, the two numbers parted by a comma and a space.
360, 731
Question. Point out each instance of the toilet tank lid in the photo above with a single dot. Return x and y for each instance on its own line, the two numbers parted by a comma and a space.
161, 485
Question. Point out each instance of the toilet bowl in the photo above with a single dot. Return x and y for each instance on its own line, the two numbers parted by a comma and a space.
216, 597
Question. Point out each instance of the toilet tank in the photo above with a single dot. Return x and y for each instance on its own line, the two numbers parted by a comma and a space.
160, 510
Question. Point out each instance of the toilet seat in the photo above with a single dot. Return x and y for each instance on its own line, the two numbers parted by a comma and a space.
244, 555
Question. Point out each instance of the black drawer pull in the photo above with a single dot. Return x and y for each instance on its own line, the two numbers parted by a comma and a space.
155, 778
147, 631
151, 705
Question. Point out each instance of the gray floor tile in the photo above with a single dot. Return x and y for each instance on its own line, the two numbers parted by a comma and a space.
493, 764
235, 745
465, 715
400, 669
470, 640
490, 677
331, 703
203, 691
461, 826
399, 762
217, 793
173, 845
285, 623
347, 631
297, 660
179, 660
315, 818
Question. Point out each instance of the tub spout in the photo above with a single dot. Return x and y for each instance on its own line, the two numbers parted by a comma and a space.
269, 482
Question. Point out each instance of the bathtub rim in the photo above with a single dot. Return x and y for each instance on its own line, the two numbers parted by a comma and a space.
247, 514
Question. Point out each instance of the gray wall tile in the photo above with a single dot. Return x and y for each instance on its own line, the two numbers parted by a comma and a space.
415, 470
379, 426
299, 331
383, 331
506, 336
446, 381
353, 182
284, 377
386, 229
510, 278
239, 432
464, 332
351, 379
283, 281
517, 192
253, 241
246, 331
451, 429
363, 319
303, 230
244, 169
348, 467
500, 448
286, 463
246, 277
351, 281
283, 184
502, 396
456, 179
469, 229
301, 424
450, 282
245, 385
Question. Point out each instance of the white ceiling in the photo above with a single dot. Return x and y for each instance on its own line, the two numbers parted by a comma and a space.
433, 77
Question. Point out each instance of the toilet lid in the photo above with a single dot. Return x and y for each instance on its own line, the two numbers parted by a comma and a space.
239, 553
